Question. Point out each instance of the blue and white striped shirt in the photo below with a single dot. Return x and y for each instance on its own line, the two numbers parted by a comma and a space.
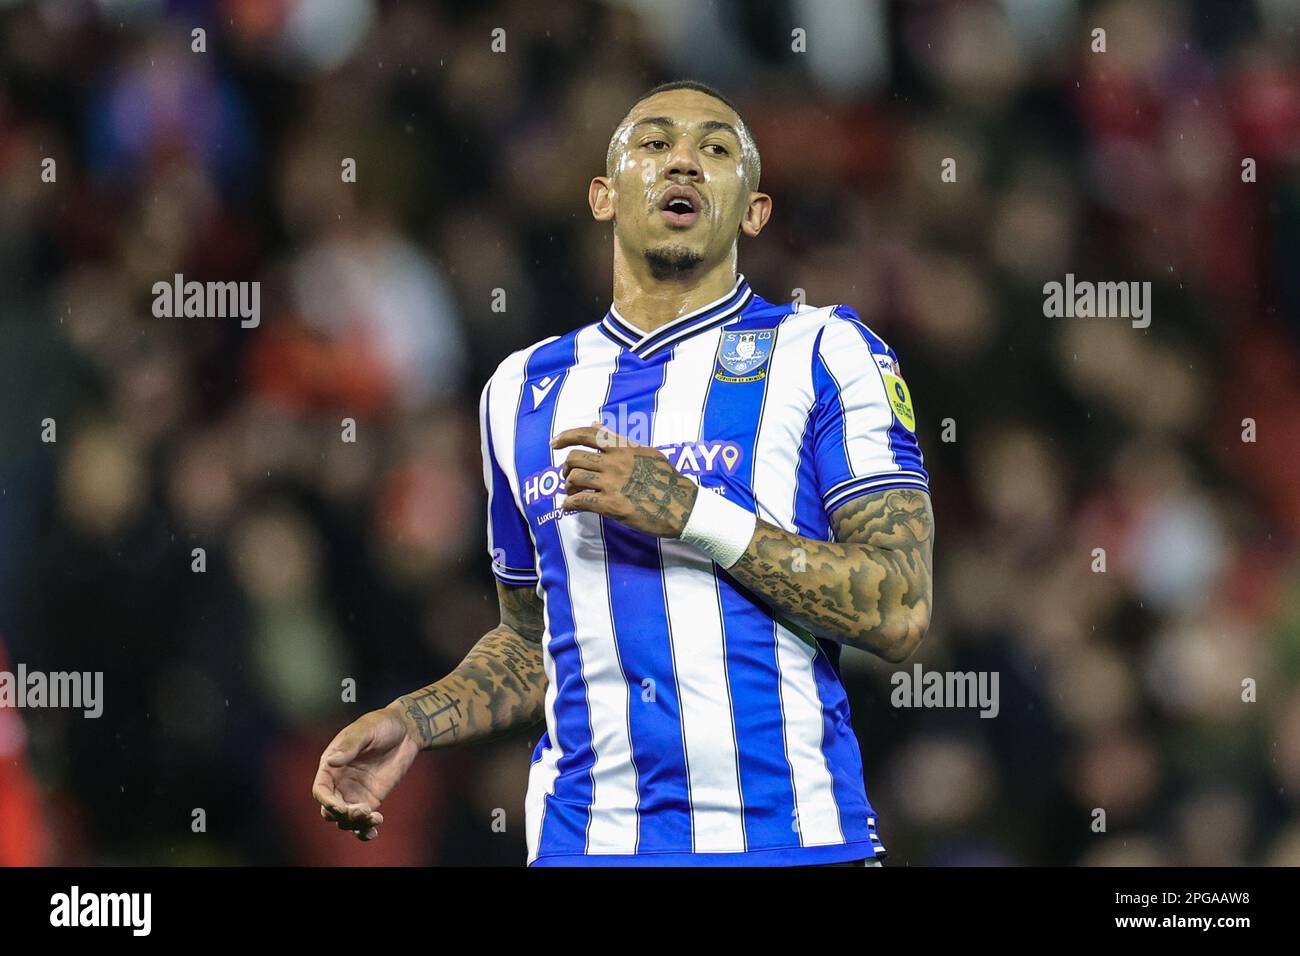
687, 722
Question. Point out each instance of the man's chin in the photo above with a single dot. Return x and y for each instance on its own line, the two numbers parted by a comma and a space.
673, 259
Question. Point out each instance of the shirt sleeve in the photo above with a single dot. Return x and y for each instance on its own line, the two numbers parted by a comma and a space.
864, 429
509, 543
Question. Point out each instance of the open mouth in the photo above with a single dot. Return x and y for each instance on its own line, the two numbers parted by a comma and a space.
680, 205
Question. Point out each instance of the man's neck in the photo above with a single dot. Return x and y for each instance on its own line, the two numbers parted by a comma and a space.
650, 304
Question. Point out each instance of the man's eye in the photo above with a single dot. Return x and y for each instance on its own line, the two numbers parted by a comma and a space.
719, 149
655, 143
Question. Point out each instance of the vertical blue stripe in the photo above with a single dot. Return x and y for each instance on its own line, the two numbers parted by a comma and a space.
510, 537
638, 601
832, 455
809, 516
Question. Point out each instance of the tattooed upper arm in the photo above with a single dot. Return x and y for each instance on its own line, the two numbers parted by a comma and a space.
898, 518
900, 522
522, 611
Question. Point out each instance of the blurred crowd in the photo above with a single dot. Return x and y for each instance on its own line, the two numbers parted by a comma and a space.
1164, 689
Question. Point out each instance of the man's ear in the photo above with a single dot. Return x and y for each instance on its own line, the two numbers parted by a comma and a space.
600, 196
757, 213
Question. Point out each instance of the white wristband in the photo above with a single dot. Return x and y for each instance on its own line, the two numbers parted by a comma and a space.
720, 528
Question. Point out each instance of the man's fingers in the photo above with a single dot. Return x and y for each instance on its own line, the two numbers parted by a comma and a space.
583, 501
335, 809
589, 460
581, 479
341, 751
336, 813
586, 435
362, 815
594, 435
356, 817
323, 792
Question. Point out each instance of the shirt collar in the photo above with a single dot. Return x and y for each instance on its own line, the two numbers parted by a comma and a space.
646, 344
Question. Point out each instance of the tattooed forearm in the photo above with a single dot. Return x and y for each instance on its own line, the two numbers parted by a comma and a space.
499, 687
870, 588
438, 715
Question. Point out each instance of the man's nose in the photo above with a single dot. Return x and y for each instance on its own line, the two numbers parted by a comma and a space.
682, 161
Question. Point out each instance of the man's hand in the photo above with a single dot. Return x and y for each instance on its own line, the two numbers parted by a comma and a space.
361, 767
632, 483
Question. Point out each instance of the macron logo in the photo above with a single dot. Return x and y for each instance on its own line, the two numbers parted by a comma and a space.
541, 388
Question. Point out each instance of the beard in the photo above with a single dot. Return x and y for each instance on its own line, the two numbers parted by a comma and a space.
670, 261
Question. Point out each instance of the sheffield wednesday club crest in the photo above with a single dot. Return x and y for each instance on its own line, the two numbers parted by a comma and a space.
743, 355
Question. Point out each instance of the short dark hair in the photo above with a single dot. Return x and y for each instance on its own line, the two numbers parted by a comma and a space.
753, 170
695, 85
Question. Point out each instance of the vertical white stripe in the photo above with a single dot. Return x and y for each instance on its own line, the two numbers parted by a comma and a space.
776, 456
867, 414
613, 820
814, 792
698, 647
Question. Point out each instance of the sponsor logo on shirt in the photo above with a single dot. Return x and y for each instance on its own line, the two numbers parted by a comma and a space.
690, 458
888, 365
